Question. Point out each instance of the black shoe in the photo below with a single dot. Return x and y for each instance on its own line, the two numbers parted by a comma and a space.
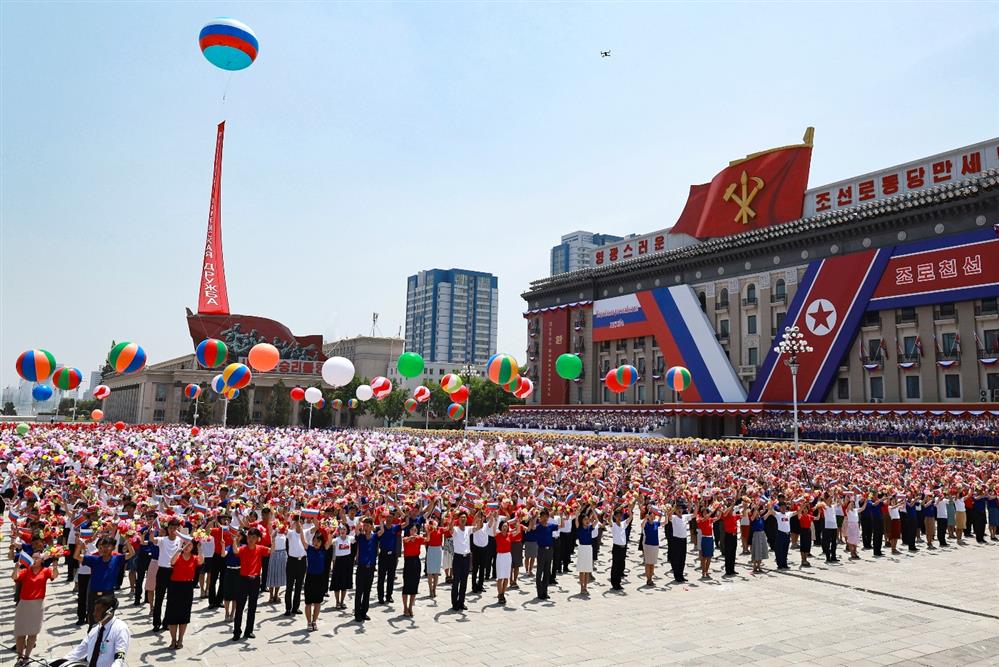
236, 637
367, 618
250, 635
390, 601
156, 628
299, 612
287, 612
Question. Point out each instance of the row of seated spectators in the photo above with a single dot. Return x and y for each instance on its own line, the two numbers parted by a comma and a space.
579, 420
958, 430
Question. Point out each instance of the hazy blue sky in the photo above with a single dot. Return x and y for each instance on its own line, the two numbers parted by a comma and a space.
370, 141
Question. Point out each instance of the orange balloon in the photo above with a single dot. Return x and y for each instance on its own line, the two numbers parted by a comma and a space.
97, 415
263, 357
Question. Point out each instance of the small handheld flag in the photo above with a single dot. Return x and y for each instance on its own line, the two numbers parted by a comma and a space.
25, 559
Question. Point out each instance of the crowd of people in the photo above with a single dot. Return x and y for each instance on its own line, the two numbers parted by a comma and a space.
611, 421
965, 430
323, 521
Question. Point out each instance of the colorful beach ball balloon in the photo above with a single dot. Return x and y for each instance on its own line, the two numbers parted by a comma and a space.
67, 378
411, 404
263, 357
336, 404
353, 403
511, 386
101, 392
41, 392
297, 394
678, 378
211, 353
217, 384
612, 383
320, 404
192, 391
501, 368
97, 415
35, 365
22, 428
460, 395
127, 358
236, 376
525, 389
230, 393
627, 375
381, 387
410, 364
568, 366
422, 394
228, 44
450, 383
455, 411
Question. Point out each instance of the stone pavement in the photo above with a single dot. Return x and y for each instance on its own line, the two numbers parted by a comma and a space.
935, 608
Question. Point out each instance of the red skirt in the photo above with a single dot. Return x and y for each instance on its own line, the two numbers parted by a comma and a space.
896, 529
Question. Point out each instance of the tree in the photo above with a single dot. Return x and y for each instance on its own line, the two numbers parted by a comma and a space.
206, 409
279, 406
86, 406
238, 413
488, 398
392, 407
65, 407
439, 400
9, 409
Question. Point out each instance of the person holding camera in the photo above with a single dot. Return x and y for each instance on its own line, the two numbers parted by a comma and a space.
106, 644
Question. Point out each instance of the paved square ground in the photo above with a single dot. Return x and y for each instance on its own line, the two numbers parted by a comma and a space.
931, 608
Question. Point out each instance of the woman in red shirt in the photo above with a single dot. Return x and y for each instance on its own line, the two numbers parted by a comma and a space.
435, 549
706, 527
805, 532
180, 592
516, 550
504, 560
29, 612
411, 545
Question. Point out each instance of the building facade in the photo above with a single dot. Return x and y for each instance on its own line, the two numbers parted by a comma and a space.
896, 291
452, 315
576, 250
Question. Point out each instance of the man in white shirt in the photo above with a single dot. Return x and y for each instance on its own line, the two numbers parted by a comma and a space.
460, 536
168, 547
619, 551
106, 645
295, 568
678, 543
782, 542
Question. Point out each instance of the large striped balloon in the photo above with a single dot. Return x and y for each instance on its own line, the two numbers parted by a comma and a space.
320, 404
678, 378
192, 391
411, 404
525, 389
35, 365
211, 353
336, 404
67, 378
353, 403
422, 394
450, 383
236, 376
626, 375
230, 393
511, 386
101, 392
127, 357
501, 368
228, 44
381, 387
611, 381
455, 411
218, 384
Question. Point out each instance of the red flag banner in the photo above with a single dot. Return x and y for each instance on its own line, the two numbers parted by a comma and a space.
554, 342
763, 189
213, 299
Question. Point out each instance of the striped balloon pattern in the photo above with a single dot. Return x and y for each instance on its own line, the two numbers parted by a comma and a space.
218, 384
525, 389
236, 376
678, 378
381, 387
67, 378
450, 383
192, 391
611, 382
512, 386
127, 358
411, 405
501, 368
228, 44
336, 404
320, 404
353, 403
35, 365
455, 411
422, 394
101, 392
230, 393
627, 375
211, 353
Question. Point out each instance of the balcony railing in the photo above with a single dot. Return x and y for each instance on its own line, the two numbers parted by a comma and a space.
940, 313
721, 305
988, 354
722, 335
988, 308
778, 298
750, 301
906, 318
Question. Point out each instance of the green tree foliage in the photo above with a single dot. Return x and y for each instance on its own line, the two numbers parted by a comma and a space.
278, 406
488, 398
238, 413
85, 407
206, 409
392, 407
9, 409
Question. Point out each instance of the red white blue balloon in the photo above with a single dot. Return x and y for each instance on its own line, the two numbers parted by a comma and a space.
218, 384
192, 391
228, 44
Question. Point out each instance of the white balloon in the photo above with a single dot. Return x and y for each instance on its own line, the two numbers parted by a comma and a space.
338, 371
364, 392
313, 395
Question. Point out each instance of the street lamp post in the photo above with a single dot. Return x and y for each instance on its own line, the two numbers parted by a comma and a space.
468, 371
791, 344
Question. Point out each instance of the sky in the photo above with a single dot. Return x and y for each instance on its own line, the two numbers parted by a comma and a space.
372, 140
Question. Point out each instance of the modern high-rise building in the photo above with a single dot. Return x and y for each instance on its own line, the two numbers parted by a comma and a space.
576, 250
451, 315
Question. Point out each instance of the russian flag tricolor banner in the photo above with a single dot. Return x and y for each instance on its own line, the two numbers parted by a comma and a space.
25, 559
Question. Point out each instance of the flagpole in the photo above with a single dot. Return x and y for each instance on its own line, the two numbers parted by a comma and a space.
196, 409
310, 415
225, 412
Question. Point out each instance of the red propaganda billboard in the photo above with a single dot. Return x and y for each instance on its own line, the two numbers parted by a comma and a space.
554, 341
299, 354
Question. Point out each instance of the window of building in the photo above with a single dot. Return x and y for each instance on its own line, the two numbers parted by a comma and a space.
948, 342
912, 386
989, 306
622, 345
946, 310
723, 327
606, 366
780, 289
751, 324
952, 385
703, 300
872, 318
877, 388
723, 298
639, 343
909, 345
992, 381
874, 348
606, 393
605, 346
161, 393
751, 293
990, 340
907, 315
779, 323
754, 356
641, 393
843, 388
661, 392
159, 415
641, 365
579, 393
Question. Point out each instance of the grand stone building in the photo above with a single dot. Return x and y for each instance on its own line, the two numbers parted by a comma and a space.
897, 291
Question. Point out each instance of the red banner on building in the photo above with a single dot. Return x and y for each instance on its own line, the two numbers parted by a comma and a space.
763, 189
213, 298
554, 341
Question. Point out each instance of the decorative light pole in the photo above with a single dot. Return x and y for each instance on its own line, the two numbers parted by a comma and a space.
791, 344
467, 372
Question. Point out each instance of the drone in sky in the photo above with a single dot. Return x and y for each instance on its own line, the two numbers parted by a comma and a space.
605, 54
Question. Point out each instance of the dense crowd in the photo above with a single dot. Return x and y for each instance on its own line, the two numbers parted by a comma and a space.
959, 430
613, 421
168, 520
